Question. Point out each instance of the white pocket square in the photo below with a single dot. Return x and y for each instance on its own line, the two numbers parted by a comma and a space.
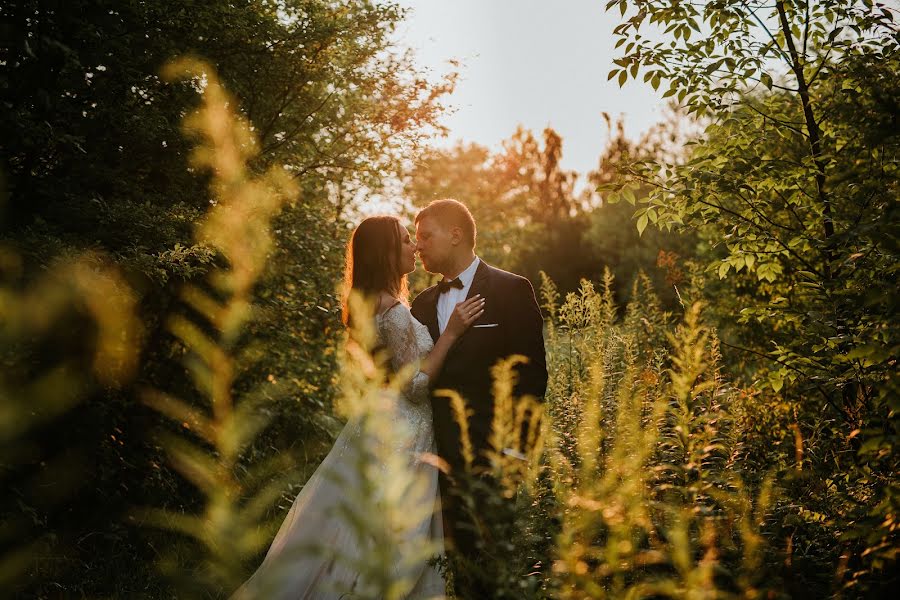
486, 325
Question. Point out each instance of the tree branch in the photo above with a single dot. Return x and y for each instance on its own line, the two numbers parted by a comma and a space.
812, 127
759, 21
762, 215
765, 231
784, 124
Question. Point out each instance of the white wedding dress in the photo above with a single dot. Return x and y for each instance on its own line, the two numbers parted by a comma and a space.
378, 479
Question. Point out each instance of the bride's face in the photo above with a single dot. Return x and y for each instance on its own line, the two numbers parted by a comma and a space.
407, 251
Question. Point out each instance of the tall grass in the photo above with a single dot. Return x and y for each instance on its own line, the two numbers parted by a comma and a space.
636, 493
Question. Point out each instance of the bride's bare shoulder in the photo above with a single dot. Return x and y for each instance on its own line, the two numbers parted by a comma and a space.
386, 303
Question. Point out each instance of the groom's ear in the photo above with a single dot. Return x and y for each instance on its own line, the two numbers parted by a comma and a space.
456, 235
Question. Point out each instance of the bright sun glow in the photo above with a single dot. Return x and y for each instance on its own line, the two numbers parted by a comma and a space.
529, 62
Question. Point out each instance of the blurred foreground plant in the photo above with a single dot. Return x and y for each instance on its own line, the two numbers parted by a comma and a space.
64, 335
381, 499
237, 228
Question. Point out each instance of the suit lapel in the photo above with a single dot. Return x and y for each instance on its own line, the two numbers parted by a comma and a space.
480, 281
481, 284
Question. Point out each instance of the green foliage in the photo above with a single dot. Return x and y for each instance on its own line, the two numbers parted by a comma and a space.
93, 159
658, 477
792, 187
642, 462
63, 337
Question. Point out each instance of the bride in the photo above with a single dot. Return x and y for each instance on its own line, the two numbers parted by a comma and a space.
319, 551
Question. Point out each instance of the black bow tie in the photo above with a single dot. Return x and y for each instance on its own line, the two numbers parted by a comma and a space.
444, 285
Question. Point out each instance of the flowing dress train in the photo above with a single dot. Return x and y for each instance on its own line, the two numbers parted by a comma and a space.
317, 553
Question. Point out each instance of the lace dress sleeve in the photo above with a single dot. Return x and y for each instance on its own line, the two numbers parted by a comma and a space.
398, 331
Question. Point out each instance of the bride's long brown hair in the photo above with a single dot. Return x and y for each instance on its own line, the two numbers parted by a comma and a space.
373, 262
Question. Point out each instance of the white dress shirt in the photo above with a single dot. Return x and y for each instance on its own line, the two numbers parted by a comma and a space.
449, 299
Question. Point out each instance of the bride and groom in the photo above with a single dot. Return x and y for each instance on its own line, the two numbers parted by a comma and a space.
450, 337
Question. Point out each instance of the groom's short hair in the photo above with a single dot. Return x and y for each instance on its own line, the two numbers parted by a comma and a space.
449, 212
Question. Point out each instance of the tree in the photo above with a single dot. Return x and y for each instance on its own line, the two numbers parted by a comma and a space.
93, 157
530, 216
792, 185
524, 202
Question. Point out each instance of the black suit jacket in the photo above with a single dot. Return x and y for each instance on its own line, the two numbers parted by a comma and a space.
511, 305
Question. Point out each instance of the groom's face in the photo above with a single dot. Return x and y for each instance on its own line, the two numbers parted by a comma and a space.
435, 243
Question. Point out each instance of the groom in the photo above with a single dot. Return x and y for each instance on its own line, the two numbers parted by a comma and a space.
511, 324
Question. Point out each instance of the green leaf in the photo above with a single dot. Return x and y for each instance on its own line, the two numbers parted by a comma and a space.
642, 224
750, 259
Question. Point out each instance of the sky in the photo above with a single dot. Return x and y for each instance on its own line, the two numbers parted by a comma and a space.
529, 62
